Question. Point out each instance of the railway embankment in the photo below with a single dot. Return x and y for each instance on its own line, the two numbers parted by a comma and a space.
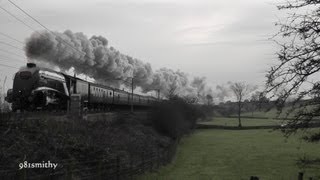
81, 148
124, 146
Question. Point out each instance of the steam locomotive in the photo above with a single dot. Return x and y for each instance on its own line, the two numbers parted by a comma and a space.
37, 88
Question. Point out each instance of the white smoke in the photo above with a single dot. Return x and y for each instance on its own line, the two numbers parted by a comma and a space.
93, 57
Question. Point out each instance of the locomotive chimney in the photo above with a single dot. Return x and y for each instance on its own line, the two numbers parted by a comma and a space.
31, 65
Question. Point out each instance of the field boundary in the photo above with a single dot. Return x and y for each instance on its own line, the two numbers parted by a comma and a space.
211, 126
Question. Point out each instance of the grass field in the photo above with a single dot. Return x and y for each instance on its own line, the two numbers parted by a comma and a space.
267, 114
244, 121
235, 154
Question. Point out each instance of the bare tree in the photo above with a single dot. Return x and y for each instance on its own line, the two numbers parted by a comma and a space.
294, 77
241, 90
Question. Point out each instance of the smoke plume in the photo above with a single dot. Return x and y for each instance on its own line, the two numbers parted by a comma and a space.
95, 58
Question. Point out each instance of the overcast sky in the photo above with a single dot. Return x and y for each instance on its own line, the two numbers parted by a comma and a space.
223, 40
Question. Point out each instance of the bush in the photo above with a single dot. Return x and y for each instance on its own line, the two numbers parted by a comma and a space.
87, 144
175, 117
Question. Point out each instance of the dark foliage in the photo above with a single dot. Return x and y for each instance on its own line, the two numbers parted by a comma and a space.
76, 144
176, 116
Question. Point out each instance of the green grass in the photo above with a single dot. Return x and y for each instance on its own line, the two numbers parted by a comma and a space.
268, 114
238, 154
244, 121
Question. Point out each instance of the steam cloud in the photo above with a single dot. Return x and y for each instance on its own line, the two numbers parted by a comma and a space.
96, 59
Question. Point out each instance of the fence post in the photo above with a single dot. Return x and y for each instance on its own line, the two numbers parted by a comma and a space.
118, 167
300, 176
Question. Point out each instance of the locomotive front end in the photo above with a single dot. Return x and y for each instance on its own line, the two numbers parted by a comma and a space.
24, 82
37, 88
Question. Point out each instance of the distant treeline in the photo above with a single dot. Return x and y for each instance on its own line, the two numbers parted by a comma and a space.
230, 109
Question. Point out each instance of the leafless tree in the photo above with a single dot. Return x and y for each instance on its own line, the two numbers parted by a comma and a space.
241, 90
294, 77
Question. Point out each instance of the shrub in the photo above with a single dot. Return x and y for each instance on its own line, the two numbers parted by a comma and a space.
175, 117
